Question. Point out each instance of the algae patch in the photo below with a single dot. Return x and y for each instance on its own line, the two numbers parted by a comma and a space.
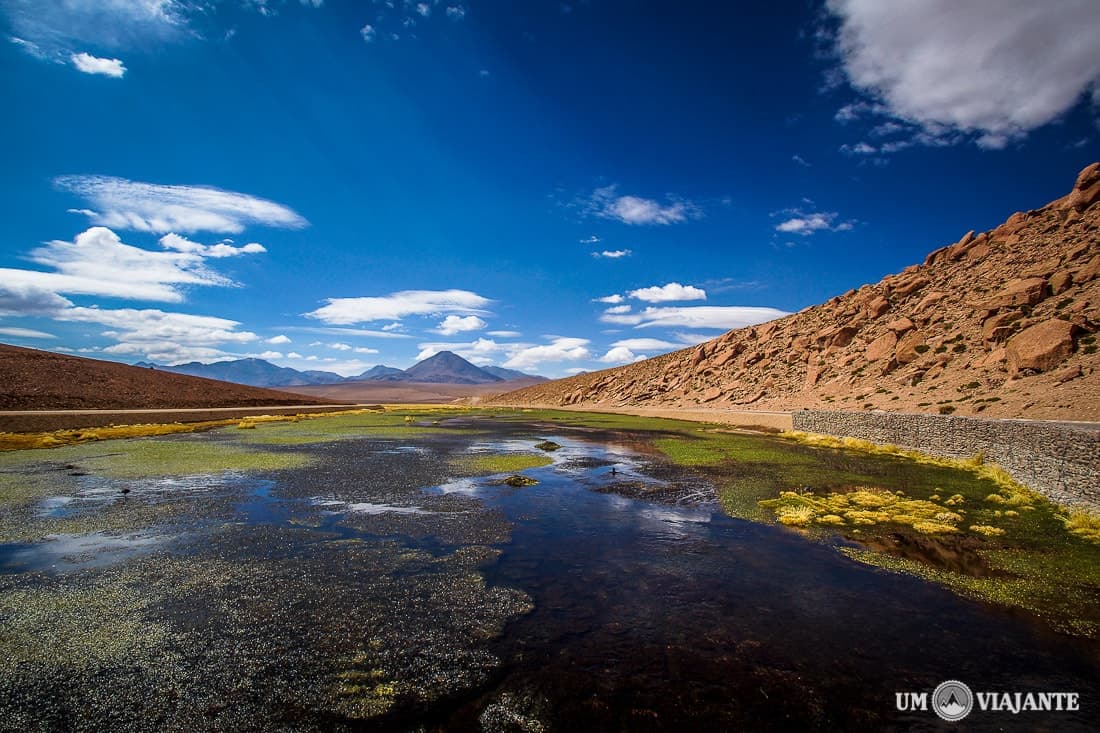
481, 464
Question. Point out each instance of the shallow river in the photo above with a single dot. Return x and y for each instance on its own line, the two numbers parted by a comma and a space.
379, 589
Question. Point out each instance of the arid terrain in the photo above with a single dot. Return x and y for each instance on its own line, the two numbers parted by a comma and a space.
1001, 323
42, 380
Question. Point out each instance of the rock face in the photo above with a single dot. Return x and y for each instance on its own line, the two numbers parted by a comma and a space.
1040, 347
1002, 322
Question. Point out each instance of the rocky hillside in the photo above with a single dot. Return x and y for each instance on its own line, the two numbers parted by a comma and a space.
41, 380
1001, 323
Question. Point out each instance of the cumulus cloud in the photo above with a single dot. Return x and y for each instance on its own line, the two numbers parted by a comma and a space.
620, 355
618, 309
522, 356
451, 325
368, 33
669, 292
280, 339
701, 316
607, 203
348, 311
993, 69
150, 207
611, 299
807, 223
613, 254
216, 251
559, 349
93, 65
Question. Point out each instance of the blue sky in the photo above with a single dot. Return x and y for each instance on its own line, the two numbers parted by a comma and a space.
549, 186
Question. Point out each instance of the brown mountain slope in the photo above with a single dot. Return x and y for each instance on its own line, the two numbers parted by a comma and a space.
42, 380
1002, 323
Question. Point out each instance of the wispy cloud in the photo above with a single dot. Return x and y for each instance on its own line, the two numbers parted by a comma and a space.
56, 26
215, 251
395, 306
25, 333
616, 298
162, 336
984, 68
669, 292
806, 223
612, 254
151, 207
701, 316
98, 262
800, 160
93, 65
607, 203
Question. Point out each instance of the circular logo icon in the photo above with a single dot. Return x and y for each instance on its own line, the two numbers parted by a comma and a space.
952, 700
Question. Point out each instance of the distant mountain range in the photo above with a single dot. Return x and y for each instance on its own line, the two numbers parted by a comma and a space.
443, 368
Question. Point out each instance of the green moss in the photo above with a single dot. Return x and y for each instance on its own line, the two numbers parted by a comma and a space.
480, 464
548, 445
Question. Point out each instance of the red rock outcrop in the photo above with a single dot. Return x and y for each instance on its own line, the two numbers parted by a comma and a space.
1001, 323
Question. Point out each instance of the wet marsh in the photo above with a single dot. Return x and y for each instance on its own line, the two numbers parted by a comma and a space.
372, 571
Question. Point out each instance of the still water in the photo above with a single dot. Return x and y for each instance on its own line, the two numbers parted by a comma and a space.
379, 589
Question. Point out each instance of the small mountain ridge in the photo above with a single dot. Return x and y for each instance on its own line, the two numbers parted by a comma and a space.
446, 367
253, 372
43, 380
1000, 323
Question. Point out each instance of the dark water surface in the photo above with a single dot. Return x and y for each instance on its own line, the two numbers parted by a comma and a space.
375, 591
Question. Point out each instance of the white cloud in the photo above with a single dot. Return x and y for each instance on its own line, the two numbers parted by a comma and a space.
807, 223
276, 340
613, 254
459, 324
25, 333
646, 344
860, 148
522, 356
270, 355
364, 350
618, 309
424, 9
605, 202
702, 316
166, 337
456, 12
98, 262
610, 299
216, 251
620, 355
994, 69
93, 65
505, 334
368, 33
800, 160
347, 311
591, 240
337, 331
558, 350
669, 292
150, 207
482, 351
340, 346
54, 26
27, 298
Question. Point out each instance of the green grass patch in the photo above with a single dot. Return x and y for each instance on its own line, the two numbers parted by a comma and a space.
482, 464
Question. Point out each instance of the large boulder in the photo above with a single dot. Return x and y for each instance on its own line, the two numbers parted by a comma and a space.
909, 348
882, 347
1087, 189
1040, 347
1027, 291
